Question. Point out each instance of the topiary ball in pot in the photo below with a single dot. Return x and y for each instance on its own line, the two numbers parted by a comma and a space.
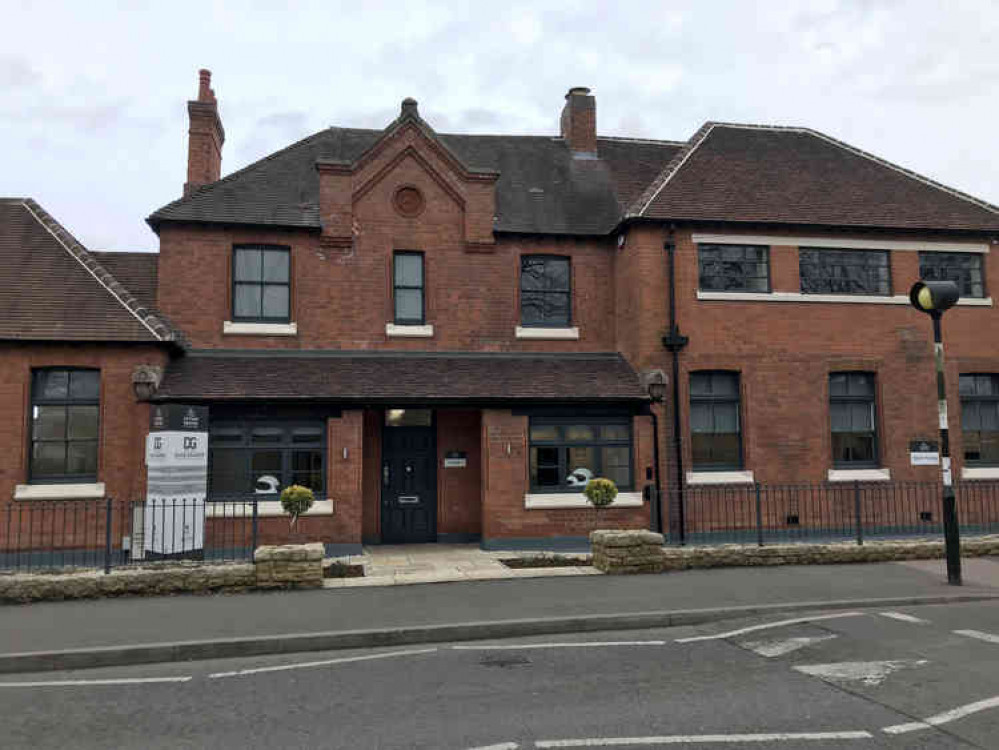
600, 492
296, 501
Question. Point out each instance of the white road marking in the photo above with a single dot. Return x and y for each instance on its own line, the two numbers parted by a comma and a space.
947, 716
501, 746
685, 739
867, 672
904, 618
580, 644
110, 681
771, 649
978, 634
323, 663
765, 626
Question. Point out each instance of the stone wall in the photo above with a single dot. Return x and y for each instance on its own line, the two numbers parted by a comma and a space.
627, 551
289, 566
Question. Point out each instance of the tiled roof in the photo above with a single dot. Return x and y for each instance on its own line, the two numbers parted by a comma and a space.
763, 174
541, 188
399, 377
137, 272
52, 288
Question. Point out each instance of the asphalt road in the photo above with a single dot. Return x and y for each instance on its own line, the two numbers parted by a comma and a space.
839, 682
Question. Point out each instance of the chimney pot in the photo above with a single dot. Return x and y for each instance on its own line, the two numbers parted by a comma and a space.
578, 91
409, 106
205, 93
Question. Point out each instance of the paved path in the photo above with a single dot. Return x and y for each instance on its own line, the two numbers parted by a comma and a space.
110, 622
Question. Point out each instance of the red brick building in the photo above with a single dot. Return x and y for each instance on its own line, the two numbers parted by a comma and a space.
446, 335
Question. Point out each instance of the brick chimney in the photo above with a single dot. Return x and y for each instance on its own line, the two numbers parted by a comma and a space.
205, 136
579, 122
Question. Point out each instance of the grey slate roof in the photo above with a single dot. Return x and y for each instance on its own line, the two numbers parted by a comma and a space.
52, 288
541, 188
138, 272
399, 377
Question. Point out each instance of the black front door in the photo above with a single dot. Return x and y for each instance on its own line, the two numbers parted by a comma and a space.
409, 485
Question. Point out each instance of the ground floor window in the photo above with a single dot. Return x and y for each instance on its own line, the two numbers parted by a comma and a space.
980, 418
565, 454
263, 457
65, 425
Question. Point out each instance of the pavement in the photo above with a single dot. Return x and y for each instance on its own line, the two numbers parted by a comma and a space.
143, 630
908, 678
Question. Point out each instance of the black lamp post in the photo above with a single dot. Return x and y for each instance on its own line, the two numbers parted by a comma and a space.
934, 298
657, 394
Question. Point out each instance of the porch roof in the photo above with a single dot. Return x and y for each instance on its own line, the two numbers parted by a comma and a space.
398, 377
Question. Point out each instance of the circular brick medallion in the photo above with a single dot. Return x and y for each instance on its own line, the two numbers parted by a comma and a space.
408, 201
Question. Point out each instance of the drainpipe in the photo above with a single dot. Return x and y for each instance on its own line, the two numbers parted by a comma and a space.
674, 342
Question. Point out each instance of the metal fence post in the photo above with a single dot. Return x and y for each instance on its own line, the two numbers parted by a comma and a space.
856, 513
759, 517
107, 535
254, 547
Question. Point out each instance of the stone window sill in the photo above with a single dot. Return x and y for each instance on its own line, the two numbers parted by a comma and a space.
549, 334
89, 491
898, 299
265, 509
409, 331
259, 329
859, 475
542, 501
980, 472
720, 477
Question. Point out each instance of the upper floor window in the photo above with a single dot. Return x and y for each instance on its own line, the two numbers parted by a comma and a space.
65, 425
715, 431
261, 284
407, 288
545, 296
964, 269
567, 453
844, 271
262, 457
852, 413
980, 418
734, 268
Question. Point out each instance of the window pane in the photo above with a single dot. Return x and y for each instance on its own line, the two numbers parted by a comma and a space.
964, 269
700, 384
83, 422
265, 471
614, 432
862, 417
409, 304
851, 448
726, 417
409, 417
48, 459
616, 465
247, 301
724, 384
580, 465
52, 384
710, 451
84, 384
725, 268
544, 467
544, 432
229, 472
839, 416
276, 265
265, 435
860, 384
307, 469
544, 308
837, 384
49, 423
307, 435
81, 458
247, 266
989, 416
225, 435
844, 271
408, 269
578, 432
275, 301
701, 418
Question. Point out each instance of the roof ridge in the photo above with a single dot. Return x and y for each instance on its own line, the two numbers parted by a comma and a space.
207, 188
150, 321
866, 155
630, 139
672, 167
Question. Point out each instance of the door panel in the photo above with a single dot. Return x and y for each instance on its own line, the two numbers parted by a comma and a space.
409, 485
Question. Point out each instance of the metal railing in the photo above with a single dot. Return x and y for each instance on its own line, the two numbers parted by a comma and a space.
779, 513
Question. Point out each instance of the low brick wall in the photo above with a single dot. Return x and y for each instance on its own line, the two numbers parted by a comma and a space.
289, 566
619, 552
151, 581
684, 558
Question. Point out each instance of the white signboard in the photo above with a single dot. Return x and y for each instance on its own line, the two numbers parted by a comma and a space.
924, 453
176, 488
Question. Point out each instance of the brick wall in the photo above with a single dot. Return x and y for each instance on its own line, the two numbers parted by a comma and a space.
459, 500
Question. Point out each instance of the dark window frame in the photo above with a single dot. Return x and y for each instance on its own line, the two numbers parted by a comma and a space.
422, 288
567, 292
875, 461
38, 400
562, 443
805, 253
977, 398
713, 399
261, 284
964, 281
704, 248
286, 446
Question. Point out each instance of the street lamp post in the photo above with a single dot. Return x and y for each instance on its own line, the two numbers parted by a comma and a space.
657, 394
934, 298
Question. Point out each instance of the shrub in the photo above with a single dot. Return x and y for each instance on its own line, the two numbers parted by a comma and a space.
600, 492
296, 501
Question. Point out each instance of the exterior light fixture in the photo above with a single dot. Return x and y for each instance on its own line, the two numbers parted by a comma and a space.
655, 385
934, 298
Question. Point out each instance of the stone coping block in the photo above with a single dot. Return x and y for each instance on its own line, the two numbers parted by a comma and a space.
625, 538
289, 553
289, 565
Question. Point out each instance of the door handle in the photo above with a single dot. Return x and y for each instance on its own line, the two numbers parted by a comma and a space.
408, 499
386, 474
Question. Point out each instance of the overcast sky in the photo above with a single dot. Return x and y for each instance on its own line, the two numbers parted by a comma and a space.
93, 121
